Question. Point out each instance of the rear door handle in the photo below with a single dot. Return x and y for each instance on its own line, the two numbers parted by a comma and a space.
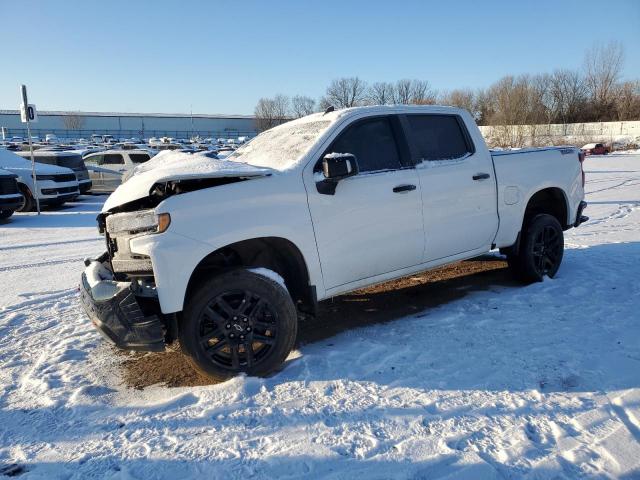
481, 176
403, 188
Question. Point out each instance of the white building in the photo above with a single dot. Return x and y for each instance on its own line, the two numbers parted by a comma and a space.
127, 125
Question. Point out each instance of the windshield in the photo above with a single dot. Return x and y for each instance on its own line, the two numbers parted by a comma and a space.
281, 147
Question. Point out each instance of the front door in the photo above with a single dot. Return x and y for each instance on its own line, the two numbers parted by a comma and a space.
373, 223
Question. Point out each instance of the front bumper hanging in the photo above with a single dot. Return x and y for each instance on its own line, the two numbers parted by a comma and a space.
114, 310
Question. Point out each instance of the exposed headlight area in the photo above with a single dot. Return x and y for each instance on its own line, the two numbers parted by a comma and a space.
133, 223
120, 228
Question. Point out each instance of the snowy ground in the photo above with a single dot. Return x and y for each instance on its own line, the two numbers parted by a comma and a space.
535, 382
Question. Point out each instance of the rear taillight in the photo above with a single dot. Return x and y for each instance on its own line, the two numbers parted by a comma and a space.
581, 160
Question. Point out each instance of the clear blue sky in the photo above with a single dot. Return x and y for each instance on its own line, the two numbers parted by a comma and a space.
220, 57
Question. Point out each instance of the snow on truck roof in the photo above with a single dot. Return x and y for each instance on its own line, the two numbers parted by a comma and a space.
282, 147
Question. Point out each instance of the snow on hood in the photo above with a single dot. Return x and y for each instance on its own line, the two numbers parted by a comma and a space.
18, 165
172, 165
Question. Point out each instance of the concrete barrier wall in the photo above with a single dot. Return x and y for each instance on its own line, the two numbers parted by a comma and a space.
521, 135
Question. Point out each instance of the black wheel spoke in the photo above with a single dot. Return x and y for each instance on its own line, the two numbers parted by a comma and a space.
252, 308
235, 359
262, 325
205, 338
248, 349
213, 315
224, 305
263, 339
548, 263
212, 349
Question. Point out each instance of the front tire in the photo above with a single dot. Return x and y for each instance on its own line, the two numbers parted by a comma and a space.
4, 214
236, 322
29, 203
541, 250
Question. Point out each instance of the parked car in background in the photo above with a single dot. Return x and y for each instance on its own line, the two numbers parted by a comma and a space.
56, 185
107, 168
10, 197
595, 149
63, 158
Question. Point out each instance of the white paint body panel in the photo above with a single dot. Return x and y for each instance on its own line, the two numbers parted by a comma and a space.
364, 234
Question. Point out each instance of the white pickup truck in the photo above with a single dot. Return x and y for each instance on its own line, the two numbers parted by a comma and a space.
224, 255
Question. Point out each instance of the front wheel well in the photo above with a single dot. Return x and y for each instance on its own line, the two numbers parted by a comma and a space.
274, 253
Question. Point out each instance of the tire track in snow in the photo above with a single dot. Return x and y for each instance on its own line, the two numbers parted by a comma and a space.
50, 244
40, 264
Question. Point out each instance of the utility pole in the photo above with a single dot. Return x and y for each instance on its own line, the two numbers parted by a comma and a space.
25, 106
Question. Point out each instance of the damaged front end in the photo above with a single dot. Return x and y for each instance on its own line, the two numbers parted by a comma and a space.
118, 289
116, 310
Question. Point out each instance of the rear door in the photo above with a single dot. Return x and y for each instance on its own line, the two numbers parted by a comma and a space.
114, 163
93, 162
372, 225
458, 185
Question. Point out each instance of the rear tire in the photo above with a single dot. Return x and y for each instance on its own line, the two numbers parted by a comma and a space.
541, 250
4, 214
238, 321
29, 203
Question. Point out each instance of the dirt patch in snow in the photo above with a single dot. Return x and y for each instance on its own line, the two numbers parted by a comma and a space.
383, 303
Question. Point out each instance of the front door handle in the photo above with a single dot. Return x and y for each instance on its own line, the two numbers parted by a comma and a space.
403, 188
481, 176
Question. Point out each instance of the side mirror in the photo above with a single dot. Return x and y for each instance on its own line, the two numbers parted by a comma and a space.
336, 167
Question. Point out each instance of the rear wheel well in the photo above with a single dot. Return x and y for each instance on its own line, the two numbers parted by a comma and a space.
274, 253
550, 201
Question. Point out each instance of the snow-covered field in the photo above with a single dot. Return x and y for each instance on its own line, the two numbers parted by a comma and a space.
509, 382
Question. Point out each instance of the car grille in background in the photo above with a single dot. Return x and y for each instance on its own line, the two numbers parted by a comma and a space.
81, 173
59, 191
8, 185
65, 177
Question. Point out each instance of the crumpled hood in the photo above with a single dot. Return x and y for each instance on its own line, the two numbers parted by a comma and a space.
171, 165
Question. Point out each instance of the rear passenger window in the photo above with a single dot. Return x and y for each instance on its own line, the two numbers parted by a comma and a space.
139, 157
112, 158
373, 144
438, 137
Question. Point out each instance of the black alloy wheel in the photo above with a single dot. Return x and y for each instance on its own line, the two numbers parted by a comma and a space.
541, 249
238, 321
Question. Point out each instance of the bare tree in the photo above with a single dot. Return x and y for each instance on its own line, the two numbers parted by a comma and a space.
73, 121
302, 106
281, 104
628, 101
345, 92
407, 92
270, 112
567, 96
603, 66
461, 98
381, 93
484, 106
421, 93
402, 92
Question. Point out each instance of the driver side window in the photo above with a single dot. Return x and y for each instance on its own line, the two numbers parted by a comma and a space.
373, 144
